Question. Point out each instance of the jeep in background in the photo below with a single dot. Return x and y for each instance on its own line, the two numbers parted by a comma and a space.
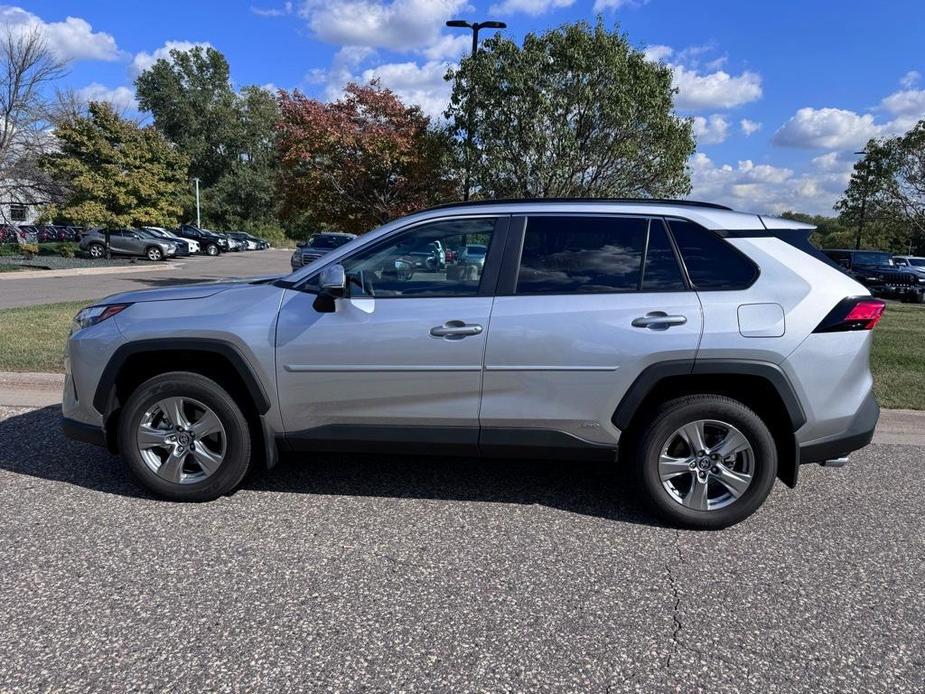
877, 271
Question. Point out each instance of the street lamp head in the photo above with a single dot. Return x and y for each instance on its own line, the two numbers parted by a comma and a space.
461, 23
492, 25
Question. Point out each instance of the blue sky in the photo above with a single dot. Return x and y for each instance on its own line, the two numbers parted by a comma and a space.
782, 92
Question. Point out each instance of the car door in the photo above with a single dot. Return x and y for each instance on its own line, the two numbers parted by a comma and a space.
120, 242
584, 304
399, 361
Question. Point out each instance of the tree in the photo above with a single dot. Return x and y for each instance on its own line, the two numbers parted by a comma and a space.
118, 173
26, 69
576, 111
229, 136
357, 162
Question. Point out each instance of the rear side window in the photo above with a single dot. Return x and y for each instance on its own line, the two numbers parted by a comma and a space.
578, 255
711, 262
662, 272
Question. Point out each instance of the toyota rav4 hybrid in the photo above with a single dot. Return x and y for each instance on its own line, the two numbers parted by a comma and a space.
709, 351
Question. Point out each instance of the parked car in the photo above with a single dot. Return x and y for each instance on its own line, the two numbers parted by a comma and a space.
911, 263
707, 350
209, 243
127, 242
170, 236
183, 246
251, 242
9, 234
230, 243
317, 245
876, 271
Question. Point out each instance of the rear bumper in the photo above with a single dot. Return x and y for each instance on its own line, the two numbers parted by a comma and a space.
858, 434
80, 431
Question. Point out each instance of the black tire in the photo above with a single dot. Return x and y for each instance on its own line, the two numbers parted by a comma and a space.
154, 254
96, 251
674, 414
211, 249
188, 385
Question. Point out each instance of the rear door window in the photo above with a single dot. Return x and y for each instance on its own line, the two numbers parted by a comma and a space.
711, 262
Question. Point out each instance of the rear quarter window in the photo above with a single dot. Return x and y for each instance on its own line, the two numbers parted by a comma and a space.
711, 262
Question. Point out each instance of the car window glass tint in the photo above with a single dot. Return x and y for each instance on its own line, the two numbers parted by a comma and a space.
711, 262
440, 259
565, 255
662, 272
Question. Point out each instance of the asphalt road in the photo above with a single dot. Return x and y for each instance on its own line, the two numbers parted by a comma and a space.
30, 291
350, 573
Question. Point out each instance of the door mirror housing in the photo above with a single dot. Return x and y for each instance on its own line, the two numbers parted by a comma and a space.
333, 283
301, 244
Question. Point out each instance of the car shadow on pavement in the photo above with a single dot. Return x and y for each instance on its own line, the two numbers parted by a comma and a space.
32, 444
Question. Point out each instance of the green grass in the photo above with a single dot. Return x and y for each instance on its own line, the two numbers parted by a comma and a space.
12, 268
32, 339
898, 357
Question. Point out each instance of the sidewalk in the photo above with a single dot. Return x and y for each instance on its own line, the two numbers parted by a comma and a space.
80, 271
905, 427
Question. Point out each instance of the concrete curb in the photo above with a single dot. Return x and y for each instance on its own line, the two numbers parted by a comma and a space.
71, 272
904, 427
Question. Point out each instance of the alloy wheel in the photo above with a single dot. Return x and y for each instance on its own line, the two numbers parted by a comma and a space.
706, 465
96, 251
181, 440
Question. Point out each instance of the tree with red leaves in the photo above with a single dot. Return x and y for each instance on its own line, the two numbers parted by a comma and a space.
360, 161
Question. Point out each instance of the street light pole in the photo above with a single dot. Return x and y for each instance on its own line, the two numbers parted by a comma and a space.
470, 116
857, 242
198, 221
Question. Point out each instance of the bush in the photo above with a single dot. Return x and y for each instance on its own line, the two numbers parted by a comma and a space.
271, 232
8, 249
29, 249
64, 249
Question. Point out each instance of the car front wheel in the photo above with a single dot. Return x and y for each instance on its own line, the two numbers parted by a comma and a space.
96, 250
706, 461
154, 254
211, 249
184, 437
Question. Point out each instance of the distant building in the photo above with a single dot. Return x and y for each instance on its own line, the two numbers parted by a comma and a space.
19, 212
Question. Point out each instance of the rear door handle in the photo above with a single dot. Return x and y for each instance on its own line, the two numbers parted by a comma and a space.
658, 320
455, 330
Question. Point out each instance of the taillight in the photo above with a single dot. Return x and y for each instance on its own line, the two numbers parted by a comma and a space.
853, 313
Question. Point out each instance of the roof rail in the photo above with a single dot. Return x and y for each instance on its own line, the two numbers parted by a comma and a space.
634, 201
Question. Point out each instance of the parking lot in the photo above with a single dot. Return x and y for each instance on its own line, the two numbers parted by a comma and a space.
341, 573
34, 290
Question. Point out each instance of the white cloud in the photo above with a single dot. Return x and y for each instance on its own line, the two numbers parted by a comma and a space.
910, 102
712, 130
533, 8
72, 39
448, 46
422, 85
272, 11
827, 128
714, 90
604, 5
142, 61
400, 25
764, 188
657, 52
121, 98
749, 127
910, 79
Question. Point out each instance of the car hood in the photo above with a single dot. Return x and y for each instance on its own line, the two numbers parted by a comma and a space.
184, 291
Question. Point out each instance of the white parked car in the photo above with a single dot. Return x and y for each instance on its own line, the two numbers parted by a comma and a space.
164, 234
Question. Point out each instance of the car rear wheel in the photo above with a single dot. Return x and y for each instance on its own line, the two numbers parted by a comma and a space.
96, 250
706, 461
154, 254
184, 437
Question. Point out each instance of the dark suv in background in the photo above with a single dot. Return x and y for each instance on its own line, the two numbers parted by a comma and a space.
877, 271
209, 243
319, 244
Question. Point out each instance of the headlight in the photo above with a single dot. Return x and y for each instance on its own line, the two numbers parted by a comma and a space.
95, 314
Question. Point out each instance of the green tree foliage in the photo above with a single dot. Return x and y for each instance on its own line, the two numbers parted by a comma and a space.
887, 192
230, 137
359, 161
576, 111
118, 174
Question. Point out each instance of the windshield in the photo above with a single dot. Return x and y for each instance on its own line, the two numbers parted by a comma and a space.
327, 241
872, 258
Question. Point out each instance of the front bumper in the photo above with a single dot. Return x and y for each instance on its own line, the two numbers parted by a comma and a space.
858, 434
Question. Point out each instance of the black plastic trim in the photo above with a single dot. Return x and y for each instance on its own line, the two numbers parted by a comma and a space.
225, 349
519, 442
643, 385
80, 431
858, 434
356, 438
628, 201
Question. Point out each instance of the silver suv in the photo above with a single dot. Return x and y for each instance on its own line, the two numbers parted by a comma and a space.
710, 351
128, 242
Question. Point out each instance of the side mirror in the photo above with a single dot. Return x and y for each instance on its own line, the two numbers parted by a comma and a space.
300, 244
333, 281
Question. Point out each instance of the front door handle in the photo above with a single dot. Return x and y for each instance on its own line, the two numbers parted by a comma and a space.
455, 330
658, 320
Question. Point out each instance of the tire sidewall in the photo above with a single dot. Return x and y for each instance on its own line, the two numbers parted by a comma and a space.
154, 254
679, 412
206, 391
